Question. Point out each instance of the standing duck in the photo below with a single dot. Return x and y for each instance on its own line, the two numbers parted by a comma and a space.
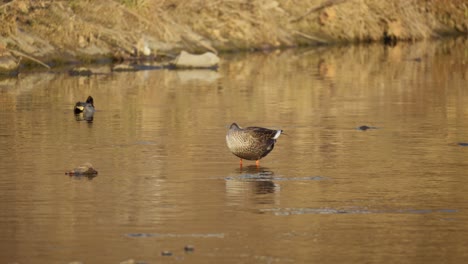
85, 107
251, 143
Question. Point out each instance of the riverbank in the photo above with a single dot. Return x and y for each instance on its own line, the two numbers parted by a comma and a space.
58, 32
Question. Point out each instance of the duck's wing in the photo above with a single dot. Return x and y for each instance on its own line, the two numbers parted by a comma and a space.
262, 134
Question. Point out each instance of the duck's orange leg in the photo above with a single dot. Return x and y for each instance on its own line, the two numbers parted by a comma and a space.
240, 163
257, 162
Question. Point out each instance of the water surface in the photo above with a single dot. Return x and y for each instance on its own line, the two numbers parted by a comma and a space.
328, 193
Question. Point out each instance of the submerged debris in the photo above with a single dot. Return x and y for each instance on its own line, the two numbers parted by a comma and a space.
166, 253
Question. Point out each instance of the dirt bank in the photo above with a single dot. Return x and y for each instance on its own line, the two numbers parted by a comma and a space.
82, 30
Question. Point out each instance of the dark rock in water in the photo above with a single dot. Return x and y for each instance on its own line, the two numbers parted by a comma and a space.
166, 253
364, 128
189, 248
463, 144
80, 71
85, 169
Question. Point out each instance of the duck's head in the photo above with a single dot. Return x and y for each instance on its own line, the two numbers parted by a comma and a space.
234, 126
90, 100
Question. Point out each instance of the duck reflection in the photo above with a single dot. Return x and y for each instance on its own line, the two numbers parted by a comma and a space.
83, 177
252, 184
85, 116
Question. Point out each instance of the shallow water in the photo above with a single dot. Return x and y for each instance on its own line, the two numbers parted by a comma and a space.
328, 193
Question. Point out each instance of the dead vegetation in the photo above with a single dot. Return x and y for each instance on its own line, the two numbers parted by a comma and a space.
87, 29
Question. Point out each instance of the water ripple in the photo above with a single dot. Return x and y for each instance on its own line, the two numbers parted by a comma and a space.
268, 177
210, 235
303, 211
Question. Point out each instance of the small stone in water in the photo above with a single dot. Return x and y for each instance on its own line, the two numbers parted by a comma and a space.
364, 128
166, 253
85, 169
189, 248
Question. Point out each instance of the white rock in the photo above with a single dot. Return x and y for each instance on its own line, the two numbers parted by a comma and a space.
205, 60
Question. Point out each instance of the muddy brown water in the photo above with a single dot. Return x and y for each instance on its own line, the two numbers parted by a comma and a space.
329, 192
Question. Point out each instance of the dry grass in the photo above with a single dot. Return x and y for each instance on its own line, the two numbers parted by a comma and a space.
122, 26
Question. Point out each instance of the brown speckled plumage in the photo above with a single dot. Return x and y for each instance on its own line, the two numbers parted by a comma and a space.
251, 143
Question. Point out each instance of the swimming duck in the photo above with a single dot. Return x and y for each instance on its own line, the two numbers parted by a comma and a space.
251, 143
85, 107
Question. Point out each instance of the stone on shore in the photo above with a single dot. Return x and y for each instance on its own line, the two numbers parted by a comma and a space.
207, 60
